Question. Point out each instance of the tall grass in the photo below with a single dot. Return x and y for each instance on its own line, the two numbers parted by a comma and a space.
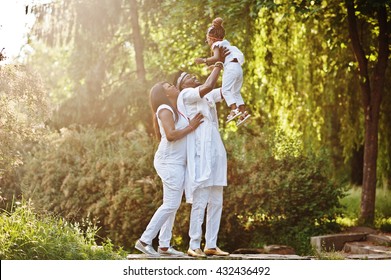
25, 235
352, 203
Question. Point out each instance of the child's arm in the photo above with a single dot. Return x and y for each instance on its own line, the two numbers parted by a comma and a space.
210, 60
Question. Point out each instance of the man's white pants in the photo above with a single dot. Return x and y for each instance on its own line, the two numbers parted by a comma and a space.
163, 220
212, 199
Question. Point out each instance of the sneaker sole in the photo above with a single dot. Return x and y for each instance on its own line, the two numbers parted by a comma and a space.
243, 121
234, 117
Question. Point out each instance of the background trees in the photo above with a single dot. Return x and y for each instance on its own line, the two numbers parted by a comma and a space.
372, 77
312, 68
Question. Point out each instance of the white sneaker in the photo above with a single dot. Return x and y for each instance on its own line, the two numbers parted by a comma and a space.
147, 249
170, 252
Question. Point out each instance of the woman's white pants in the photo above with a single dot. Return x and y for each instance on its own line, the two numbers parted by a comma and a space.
211, 199
172, 176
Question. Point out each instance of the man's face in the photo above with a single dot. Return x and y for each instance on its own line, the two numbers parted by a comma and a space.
190, 81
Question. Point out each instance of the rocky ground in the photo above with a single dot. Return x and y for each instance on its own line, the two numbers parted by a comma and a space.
355, 243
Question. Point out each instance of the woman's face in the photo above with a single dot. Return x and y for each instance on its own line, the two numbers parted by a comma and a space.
170, 90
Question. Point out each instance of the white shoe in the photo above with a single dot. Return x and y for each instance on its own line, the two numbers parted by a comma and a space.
244, 118
215, 252
170, 252
233, 115
197, 253
147, 249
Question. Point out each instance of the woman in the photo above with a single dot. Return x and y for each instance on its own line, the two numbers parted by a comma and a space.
170, 163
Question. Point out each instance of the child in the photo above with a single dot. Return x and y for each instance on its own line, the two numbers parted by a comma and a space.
233, 73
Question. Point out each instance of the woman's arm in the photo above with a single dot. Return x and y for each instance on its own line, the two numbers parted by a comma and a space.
168, 124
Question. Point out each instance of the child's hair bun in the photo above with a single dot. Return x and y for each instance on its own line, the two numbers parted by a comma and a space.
217, 22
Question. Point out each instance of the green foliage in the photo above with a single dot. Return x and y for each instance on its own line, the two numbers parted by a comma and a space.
299, 81
24, 107
105, 175
351, 206
25, 235
284, 201
110, 178
92, 73
23, 110
299, 75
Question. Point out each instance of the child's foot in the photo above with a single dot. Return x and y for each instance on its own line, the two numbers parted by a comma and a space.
233, 114
243, 118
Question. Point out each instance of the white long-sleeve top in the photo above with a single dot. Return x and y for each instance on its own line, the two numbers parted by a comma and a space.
206, 154
234, 52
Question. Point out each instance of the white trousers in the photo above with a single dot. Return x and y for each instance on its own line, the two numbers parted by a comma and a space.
211, 199
232, 84
163, 220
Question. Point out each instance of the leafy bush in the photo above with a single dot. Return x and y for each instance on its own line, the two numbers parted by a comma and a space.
351, 213
25, 235
283, 201
110, 178
24, 107
101, 174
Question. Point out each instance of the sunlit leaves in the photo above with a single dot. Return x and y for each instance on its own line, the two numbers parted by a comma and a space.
24, 108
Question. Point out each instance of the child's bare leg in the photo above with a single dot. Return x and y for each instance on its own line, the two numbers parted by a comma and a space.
233, 106
242, 108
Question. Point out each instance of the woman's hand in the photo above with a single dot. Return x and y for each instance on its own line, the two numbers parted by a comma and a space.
196, 121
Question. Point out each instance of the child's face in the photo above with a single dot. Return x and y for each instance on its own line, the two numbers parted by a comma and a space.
209, 40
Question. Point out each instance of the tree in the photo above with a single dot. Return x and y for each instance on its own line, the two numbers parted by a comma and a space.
98, 45
24, 108
372, 88
138, 40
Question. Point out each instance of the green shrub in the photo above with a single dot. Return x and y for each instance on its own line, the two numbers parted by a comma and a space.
110, 178
283, 201
25, 235
352, 202
101, 174
24, 107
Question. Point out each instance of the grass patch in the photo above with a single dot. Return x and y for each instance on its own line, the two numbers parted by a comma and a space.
25, 235
352, 202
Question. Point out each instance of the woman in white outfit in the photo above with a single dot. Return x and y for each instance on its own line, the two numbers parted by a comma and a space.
170, 164
206, 164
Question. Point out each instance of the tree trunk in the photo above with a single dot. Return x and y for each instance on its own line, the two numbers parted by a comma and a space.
137, 40
356, 165
372, 98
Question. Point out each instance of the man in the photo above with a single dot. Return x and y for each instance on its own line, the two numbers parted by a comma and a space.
206, 160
